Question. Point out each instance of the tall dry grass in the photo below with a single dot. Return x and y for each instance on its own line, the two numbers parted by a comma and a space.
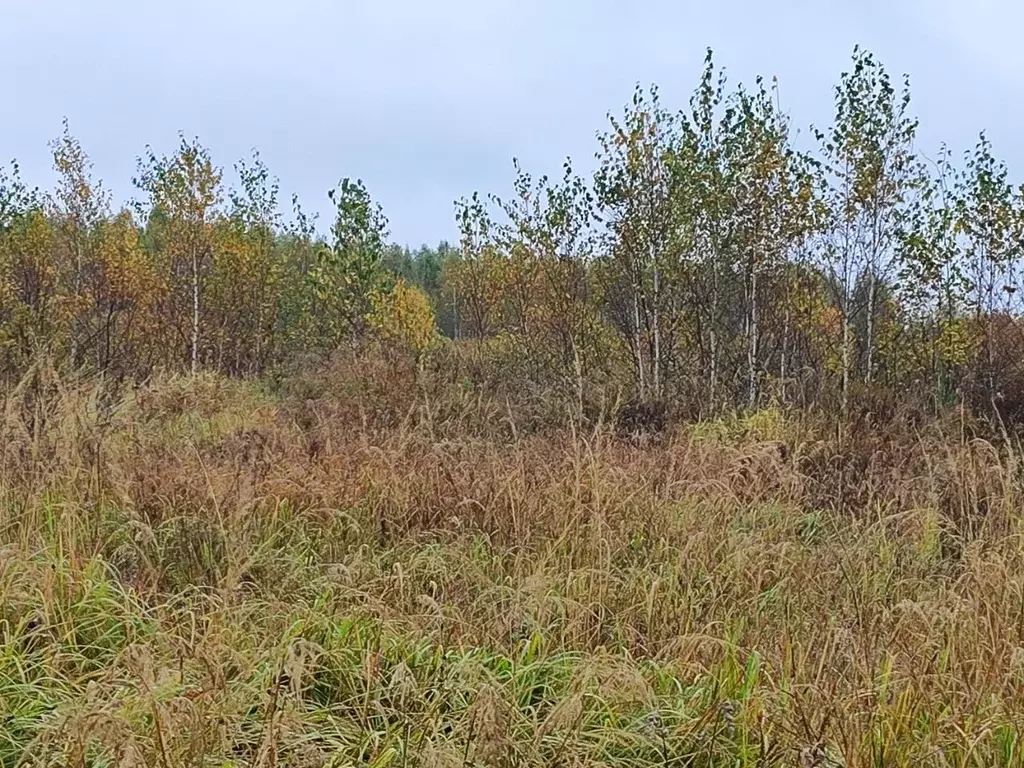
349, 572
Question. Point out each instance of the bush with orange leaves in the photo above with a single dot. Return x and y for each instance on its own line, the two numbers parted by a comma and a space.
404, 318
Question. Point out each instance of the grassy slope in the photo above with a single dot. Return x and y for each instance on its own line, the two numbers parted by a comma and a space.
202, 574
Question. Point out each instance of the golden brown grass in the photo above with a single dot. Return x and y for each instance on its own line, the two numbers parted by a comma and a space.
197, 572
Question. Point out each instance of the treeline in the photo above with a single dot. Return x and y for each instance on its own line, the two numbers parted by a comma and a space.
710, 262
195, 275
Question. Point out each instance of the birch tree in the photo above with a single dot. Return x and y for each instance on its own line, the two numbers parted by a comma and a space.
184, 188
635, 197
80, 205
989, 221
872, 167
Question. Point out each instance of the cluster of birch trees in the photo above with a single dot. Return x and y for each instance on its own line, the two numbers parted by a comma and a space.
728, 266
717, 257
192, 276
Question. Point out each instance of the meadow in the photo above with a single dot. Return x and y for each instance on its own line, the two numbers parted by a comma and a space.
340, 568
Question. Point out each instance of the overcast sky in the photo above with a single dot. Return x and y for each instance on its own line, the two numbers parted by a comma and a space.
429, 101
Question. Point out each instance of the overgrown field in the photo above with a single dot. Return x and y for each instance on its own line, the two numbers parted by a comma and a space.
206, 572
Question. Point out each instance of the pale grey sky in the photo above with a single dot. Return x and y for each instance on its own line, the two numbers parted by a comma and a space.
429, 101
